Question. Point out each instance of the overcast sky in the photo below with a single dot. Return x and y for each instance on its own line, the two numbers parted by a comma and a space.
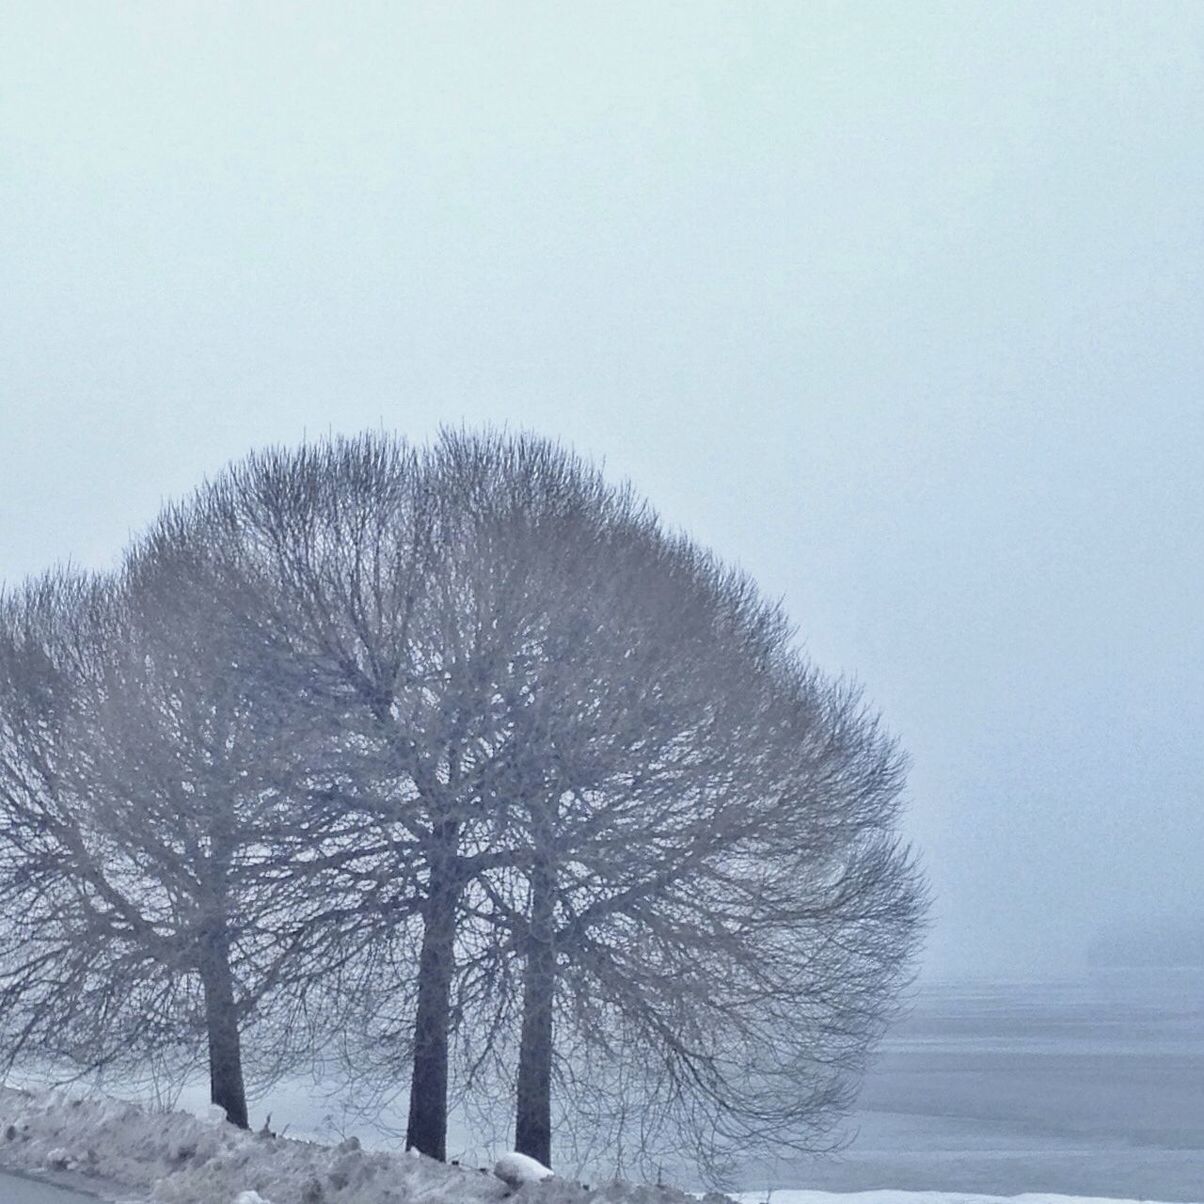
899, 306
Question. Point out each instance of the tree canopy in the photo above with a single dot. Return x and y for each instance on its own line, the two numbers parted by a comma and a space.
455, 752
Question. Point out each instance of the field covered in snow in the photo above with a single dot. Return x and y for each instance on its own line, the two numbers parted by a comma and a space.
121, 1152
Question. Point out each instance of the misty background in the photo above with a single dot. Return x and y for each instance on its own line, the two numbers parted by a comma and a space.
897, 306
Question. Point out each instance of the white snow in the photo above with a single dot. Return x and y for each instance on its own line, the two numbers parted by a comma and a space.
792, 1196
175, 1158
117, 1150
517, 1169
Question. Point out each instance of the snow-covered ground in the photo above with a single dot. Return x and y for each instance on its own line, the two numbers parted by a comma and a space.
919, 1197
122, 1152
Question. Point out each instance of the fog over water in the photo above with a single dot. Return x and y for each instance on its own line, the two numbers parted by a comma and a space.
898, 306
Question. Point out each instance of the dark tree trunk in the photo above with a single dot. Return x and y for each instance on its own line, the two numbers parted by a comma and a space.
427, 1127
226, 1087
533, 1108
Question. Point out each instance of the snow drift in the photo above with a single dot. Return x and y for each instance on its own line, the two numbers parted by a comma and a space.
116, 1149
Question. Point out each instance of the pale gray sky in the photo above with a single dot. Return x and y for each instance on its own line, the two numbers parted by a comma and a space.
898, 305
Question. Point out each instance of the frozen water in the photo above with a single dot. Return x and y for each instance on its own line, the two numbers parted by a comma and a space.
1090, 1088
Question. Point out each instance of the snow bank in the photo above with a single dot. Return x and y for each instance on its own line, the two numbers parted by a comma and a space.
176, 1158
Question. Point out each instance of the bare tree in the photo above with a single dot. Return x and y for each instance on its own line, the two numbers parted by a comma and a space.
58, 972
330, 553
155, 836
699, 826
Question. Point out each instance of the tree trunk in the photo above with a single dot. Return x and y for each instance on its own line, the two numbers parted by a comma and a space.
427, 1127
226, 1087
533, 1108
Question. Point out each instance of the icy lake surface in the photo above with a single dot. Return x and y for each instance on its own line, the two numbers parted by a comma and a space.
1094, 1088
